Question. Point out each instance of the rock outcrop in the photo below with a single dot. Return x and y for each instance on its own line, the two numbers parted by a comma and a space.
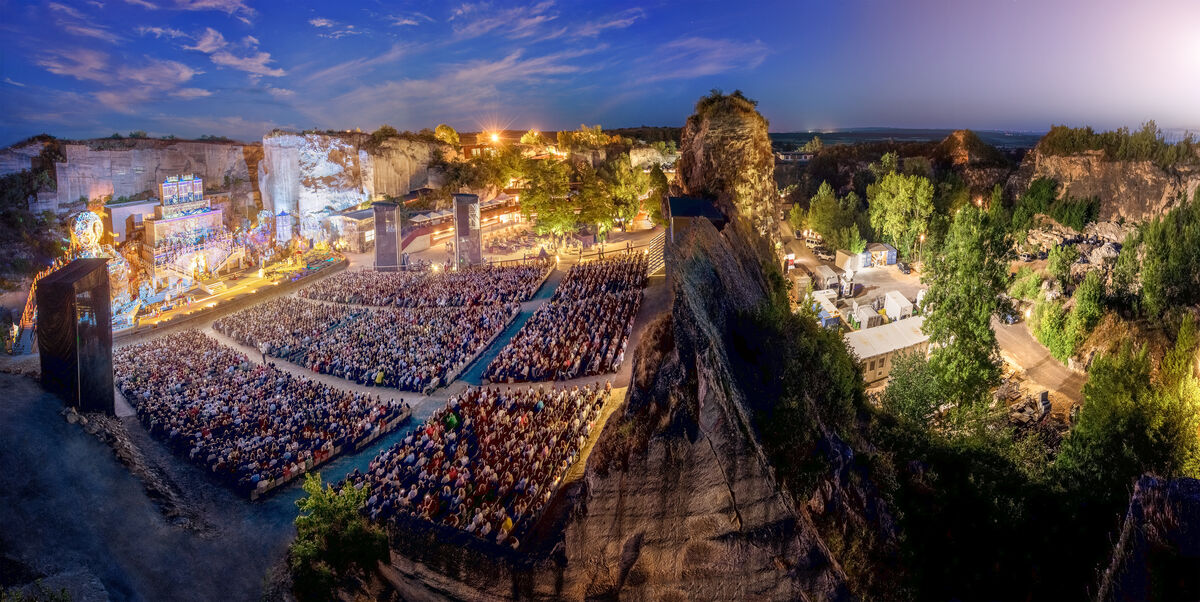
305, 173
1158, 554
645, 156
726, 154
1128, 190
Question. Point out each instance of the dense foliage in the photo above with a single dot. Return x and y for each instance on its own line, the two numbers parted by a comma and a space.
334, 543
901, 206
965, 281
1062, 330
1169, 251
28, 241
446, 134
839, 221
1145, 144
1042, 198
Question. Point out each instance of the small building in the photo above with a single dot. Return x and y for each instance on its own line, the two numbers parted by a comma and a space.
851, 262
880, 254
682, 212
828, 315
897, 306
877, 347
356, 229
824, 277
127, 216
866, 316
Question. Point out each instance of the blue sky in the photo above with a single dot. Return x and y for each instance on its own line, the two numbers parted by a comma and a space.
79, 68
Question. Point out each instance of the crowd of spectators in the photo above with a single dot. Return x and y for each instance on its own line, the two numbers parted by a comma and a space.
248, 424
469, 286
487, 462
412, 349
583, 330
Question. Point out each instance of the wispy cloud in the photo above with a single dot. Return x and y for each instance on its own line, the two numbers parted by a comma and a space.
358, 67
620, 20
280, 92
73, 21
158, 72
335, 30
409, 19
234, 8
9, 81
208, 42
143, 4
125, 85
473, 20
81, 63
692, 57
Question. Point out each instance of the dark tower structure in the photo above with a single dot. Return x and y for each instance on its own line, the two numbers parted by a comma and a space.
387, 236
468, 240
74, 333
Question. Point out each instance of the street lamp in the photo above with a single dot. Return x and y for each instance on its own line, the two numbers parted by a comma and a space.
495, 137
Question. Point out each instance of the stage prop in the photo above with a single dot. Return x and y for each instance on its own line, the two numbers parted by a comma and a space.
74, 333
468, 240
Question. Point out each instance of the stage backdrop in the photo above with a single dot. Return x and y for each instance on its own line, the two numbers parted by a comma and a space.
387, 236
74, 332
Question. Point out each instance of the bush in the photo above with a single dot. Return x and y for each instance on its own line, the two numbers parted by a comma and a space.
1026, 284
1060, 260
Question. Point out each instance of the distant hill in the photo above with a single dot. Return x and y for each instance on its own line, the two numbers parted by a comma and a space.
1000, 139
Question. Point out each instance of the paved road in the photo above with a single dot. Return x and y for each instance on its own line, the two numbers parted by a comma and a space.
1041, 367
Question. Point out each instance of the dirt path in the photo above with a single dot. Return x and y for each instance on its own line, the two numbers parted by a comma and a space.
1018, 345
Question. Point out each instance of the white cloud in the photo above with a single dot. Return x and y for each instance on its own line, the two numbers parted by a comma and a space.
72, 21
161, 32
81, 63
213, 44
143, 4
67, 10
254, 63
10, 82
280, 92
338, 29
158, 72
321, 22
358, 67
209, 42
190, 93
233, 8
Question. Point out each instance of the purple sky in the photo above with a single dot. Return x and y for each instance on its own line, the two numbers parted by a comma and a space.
77, 68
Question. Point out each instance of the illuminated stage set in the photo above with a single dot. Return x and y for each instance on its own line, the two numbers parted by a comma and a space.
184, 247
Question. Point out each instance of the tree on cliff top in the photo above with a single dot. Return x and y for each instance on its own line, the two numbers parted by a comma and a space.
383, 133
446, 134
719, 102
533, 138
965, 282
333, 541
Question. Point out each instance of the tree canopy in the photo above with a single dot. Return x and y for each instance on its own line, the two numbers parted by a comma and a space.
900, 207
965, 281
446, 134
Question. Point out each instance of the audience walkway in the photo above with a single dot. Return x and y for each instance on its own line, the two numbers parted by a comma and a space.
474, 373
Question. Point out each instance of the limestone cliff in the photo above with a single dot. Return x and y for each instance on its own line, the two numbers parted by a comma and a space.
725, 154
305, 173
129, 167
1128, 190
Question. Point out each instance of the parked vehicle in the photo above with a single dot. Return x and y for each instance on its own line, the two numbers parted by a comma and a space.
1026, 257
824, 255
903, 267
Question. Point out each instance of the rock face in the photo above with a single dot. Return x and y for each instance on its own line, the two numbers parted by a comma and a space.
1128, 190
1158, 554
98, 168
725, 154
646, 156
305, 173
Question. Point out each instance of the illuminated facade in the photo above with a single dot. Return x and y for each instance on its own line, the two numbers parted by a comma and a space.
187, 239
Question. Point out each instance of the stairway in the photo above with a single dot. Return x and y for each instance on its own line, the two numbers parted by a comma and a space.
24, 342
655, 250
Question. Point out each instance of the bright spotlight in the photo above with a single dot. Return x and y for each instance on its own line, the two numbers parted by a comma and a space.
495, 137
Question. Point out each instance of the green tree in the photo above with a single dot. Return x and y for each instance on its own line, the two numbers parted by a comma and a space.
595, 201
1128, 426
798, 218
333, 541
544, 199
533, 138
900, 207
383, 133
446, 134
965, 281
1059, 262
913, 392
625, 185
659, 191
